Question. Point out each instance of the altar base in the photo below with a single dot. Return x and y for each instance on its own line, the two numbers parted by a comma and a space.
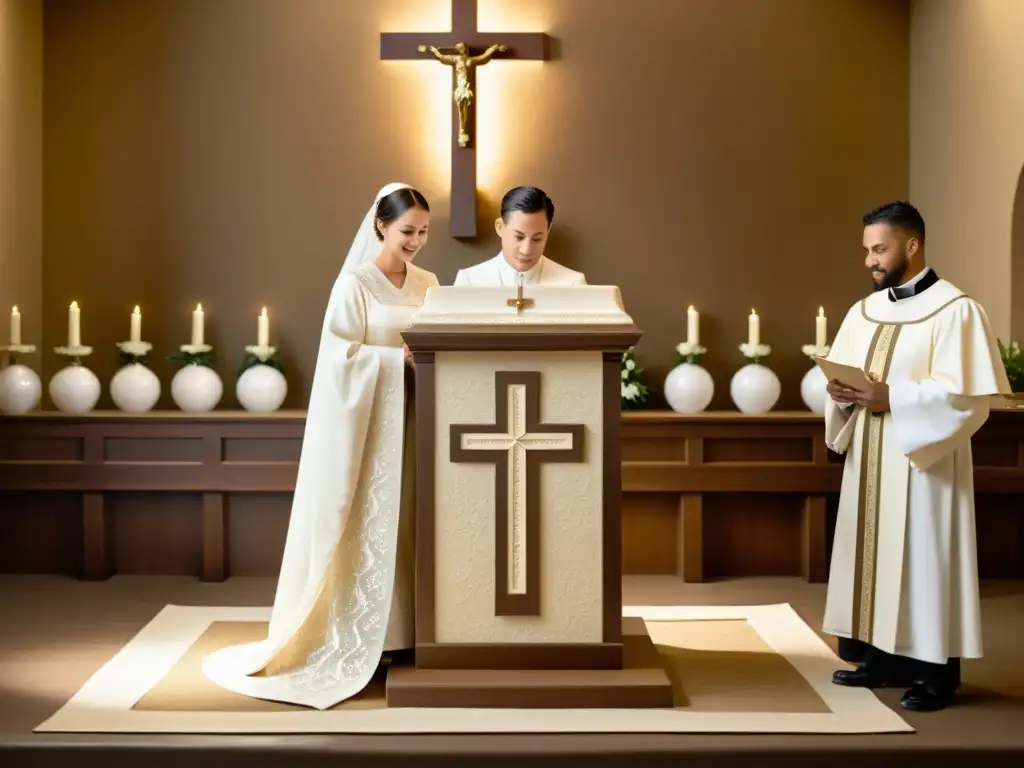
641, 683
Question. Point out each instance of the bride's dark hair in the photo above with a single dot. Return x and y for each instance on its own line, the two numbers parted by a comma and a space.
390, 207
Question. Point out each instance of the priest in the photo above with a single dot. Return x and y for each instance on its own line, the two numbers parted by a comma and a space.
524, 224
903, 594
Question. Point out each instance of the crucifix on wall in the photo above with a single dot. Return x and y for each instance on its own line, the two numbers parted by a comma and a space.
464, 49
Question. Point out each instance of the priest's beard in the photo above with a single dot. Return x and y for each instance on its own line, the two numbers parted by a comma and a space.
892, 277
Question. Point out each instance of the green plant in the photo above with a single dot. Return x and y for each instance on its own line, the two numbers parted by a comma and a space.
250, 360
635, 391
192, 358
1013, 362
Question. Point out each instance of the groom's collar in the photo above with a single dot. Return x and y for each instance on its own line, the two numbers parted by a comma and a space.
509, 271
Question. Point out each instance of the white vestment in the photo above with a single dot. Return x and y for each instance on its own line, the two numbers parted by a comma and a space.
345, 591
904, 574
498, 272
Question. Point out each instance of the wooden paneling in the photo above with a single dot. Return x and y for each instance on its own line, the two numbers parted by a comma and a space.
746, 495
113, 493
649, 524
42, 532
713, 495
255, 528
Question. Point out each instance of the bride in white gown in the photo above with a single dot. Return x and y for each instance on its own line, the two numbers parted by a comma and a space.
345, 591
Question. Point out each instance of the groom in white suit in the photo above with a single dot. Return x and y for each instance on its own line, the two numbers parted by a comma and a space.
526, 214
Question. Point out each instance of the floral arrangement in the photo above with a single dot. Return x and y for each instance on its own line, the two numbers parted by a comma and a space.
754, 352
193, 354
1013, 361
14, 350
74, 353
635, 391
132, 352
687, 352
259, 355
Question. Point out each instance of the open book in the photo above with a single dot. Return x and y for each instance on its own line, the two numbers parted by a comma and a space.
849, 375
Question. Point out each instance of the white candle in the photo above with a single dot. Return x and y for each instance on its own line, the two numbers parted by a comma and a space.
197, 326
263, 330
136, 333
820, 328
692, 327
15, 327
74, 325
753, 329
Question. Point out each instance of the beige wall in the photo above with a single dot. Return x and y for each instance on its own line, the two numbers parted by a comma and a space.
714, 153
21, 167
967, 144
1017, 264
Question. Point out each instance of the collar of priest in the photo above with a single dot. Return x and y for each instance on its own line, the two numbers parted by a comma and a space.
924, 280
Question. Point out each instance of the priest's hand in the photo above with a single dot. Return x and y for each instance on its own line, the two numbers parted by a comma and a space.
841, 393
408, 357
872, 396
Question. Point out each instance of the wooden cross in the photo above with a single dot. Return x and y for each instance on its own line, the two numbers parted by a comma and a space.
471, 43
516, 444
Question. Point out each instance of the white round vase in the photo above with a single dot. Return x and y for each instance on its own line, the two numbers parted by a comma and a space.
75, 389
812, 390
689, 388
135, 388
755, 388
261, 389
196, 388
20, 389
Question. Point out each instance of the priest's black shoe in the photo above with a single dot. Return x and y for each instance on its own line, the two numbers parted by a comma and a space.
865, 678
927, 698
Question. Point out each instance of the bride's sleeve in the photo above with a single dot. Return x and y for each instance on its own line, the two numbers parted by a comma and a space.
357, 362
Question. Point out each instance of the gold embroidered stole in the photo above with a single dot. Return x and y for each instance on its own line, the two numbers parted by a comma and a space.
879, 358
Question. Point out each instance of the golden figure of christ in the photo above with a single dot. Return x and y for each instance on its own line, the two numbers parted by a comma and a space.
462, 93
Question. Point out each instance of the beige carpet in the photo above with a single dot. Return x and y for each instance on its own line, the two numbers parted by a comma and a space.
756, 669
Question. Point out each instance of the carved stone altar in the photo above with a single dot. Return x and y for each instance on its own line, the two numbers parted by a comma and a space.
518, 522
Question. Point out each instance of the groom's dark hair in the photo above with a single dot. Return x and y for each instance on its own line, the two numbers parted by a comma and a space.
527, 200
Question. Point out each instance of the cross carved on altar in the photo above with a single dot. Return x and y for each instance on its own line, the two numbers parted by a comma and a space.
463, 49
517, 444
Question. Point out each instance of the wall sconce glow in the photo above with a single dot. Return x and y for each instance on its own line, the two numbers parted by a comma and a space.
503, 16
510, 114
507, 116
